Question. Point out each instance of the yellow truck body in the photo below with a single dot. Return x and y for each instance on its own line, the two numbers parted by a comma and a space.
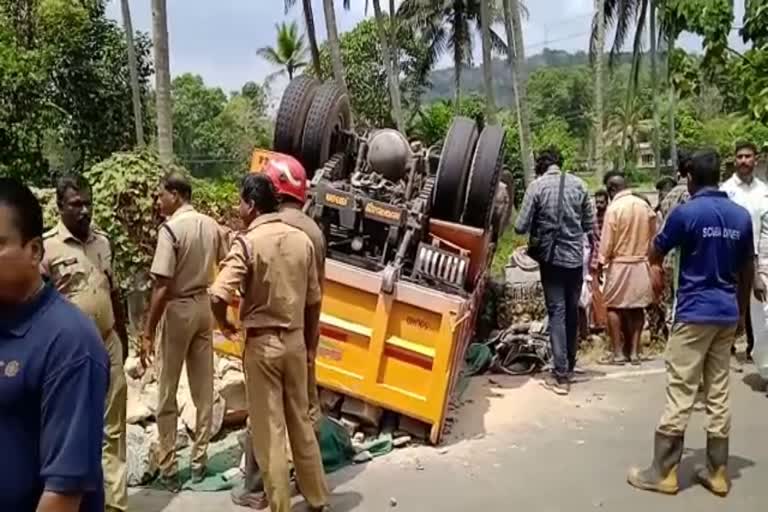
402, 351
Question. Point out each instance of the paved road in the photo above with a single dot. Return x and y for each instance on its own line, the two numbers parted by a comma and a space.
514, 446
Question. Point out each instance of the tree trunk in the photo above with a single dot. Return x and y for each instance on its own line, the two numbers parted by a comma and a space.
655, 92
309, 21
393, 30
599, 108
334, 45
389, 63
485, 22
672, 107
138, 119
162, 81
457, 84
522, 90
512, 64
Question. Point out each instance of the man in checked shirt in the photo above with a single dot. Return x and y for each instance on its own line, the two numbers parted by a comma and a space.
557, 212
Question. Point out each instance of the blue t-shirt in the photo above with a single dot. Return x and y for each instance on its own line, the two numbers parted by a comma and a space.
54, 374
714, 236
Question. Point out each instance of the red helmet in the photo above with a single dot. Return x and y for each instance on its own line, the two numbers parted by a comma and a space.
287, 175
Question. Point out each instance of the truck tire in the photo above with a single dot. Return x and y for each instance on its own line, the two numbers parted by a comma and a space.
484, 175
330, 112
289, 124
453, 169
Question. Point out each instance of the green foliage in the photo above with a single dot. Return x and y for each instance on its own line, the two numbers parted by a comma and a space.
432, 121
720, 132
554, 132
47, 199
218, 199
65, 99
563, 92
366, 74
711, 19
215, 135
123, 191
289, 53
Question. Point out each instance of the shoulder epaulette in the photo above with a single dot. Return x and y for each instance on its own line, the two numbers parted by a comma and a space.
50, 233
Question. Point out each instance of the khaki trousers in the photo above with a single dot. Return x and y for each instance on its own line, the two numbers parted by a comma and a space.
113, 455
315, 411
185, 335
693, 352
275, 364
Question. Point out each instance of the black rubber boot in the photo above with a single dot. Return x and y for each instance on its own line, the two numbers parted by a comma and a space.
661, 476
251, 493
715, 476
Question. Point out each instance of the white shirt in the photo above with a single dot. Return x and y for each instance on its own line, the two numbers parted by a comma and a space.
754, 197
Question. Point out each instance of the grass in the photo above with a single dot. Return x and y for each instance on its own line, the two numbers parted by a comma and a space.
508, 242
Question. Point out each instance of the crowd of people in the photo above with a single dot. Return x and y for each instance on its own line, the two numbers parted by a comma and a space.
63, 342
691, 263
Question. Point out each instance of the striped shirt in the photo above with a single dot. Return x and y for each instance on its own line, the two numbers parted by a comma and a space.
539, 216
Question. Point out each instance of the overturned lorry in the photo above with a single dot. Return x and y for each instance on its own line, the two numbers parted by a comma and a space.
411, 231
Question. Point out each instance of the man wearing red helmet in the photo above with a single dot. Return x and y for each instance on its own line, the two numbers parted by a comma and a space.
290, 181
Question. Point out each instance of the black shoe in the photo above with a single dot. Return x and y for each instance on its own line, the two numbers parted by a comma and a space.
170, 483
661, 475
558, 385
715, 475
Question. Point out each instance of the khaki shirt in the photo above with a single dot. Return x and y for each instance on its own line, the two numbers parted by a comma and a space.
82, 272
274, 267
189, 246
628, 229
303, 222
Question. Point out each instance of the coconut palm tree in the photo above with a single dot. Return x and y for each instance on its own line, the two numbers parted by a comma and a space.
627, 126
516, 61
289, 53
309, 22
162, 81
598, 63
391, 63
448, 25
138, 120
625, 15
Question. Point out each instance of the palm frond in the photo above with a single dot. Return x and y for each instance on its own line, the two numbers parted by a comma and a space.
288, 5
609, 12
637, 47
626, 18
270, 55
498, 43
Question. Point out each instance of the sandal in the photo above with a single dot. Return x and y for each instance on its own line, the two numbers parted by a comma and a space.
612, 361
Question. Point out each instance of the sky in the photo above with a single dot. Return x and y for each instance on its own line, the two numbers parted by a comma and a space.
219, 39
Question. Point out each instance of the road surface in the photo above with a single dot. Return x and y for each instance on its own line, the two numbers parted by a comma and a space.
516, 446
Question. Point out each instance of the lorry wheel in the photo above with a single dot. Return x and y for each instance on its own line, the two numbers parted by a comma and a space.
452, 171
329, 114
484, 176
294, 106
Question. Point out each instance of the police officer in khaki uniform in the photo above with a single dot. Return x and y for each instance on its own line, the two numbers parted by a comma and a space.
78, 261
274, 266
189, 246
290, 181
